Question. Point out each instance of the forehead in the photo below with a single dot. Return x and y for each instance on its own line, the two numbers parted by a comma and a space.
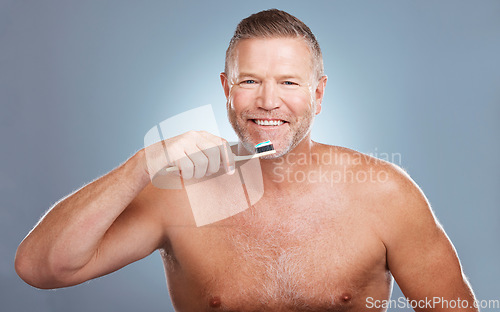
273, 55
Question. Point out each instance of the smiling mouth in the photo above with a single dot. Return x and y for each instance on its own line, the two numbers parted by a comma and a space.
269, 122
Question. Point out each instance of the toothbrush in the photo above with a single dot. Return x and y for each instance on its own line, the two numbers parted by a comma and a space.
261, 149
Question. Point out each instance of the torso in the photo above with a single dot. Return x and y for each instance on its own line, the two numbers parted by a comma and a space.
311, 248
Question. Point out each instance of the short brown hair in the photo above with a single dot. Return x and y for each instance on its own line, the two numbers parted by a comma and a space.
275, 23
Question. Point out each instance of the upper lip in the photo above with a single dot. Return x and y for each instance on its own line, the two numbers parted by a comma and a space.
270, 119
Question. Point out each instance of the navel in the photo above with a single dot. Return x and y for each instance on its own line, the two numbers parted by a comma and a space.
214, 302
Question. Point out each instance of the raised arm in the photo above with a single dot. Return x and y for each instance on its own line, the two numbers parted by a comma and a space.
420, 256
114, 220
75, 241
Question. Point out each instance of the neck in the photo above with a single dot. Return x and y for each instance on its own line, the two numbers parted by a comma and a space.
276, 172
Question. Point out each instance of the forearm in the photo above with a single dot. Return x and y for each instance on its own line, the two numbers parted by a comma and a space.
68, 236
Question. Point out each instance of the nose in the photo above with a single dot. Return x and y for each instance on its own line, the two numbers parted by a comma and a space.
268, 97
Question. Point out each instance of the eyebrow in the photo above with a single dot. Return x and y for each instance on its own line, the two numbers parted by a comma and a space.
247, 75
280, 77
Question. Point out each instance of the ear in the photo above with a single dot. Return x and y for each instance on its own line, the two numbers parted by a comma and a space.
225, 84
320, 92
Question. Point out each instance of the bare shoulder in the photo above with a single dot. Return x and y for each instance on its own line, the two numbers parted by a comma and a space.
368, 170
386, 190
363, 168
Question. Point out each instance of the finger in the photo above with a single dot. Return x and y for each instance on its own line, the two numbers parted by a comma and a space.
212, 153
199, 160
227, 157
186, 167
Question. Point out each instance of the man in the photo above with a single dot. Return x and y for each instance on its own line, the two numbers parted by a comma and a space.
315, 245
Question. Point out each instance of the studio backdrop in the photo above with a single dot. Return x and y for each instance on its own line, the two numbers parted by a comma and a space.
416, 83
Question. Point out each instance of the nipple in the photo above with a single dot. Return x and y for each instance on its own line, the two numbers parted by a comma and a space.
214, 302
346, 297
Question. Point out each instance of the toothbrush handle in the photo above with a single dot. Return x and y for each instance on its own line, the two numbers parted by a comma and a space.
246, 157
236, 158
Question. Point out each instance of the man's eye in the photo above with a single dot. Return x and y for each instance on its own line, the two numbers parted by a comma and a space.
249, 81
289, 83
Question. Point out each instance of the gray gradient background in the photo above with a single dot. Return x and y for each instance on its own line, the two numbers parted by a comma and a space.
81, 82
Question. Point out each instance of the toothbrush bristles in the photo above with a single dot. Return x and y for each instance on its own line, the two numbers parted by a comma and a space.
264, 147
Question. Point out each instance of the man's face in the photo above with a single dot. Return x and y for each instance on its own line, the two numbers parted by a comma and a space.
272, 93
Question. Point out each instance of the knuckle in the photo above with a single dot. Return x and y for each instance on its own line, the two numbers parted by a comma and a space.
212, 152
196, 134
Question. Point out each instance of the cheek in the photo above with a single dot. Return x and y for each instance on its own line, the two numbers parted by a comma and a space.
241, 99
298, 101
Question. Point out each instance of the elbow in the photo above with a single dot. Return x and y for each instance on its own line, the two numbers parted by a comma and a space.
34, 273
25, 269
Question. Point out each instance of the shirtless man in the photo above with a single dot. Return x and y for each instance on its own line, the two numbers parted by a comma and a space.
305, 246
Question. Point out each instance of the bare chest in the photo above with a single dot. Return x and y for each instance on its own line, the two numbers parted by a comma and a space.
281, 257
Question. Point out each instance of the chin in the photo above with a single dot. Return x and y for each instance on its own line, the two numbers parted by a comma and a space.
272, 156
278, 154
280, 150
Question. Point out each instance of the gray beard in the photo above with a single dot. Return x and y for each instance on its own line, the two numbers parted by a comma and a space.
250, 147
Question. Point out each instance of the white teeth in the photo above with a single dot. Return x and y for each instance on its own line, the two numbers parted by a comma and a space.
263, 122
